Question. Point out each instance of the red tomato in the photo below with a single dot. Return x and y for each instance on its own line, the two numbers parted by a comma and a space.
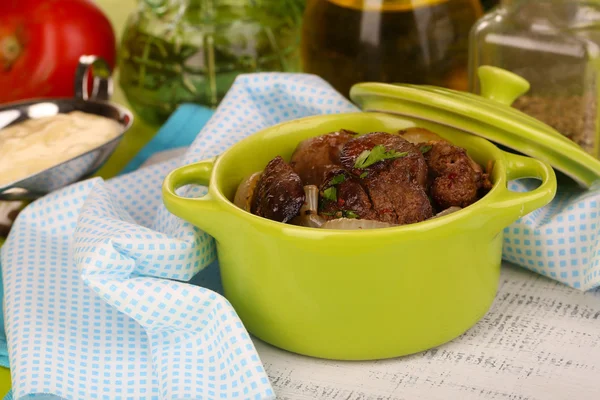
41, 42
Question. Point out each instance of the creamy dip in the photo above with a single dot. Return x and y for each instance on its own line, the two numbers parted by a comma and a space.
34, 145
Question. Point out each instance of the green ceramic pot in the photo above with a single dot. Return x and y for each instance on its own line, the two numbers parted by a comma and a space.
356, 295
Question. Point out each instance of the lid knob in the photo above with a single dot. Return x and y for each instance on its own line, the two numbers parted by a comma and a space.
501, 85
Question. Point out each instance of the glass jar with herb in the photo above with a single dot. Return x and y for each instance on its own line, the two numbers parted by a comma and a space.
554, 44
395, 41
176, 51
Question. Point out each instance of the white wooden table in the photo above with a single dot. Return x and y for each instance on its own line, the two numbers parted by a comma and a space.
539, 341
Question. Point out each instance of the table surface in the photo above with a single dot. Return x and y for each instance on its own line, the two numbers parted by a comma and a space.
540, 339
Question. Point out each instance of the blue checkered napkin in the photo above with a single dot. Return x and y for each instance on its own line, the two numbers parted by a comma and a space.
560, 241
89, 314
97, 301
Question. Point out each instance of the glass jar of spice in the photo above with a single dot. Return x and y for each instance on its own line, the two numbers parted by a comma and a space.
555, 45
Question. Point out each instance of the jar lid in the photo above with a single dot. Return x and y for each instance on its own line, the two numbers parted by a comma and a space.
489, 116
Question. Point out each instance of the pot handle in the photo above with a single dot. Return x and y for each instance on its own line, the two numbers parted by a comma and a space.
199, 211
514, 205
501, 85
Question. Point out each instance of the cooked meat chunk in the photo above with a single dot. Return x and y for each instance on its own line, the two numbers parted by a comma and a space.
279, 193
455, 179
380, 178
397, 183
347, 198
313, 155
413, 160
396, 196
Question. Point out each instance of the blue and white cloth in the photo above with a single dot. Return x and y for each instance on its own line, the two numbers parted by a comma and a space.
98, 298
179, 131
562, 240
108, 296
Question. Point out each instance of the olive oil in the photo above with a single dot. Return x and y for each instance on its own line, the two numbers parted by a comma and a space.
407, 41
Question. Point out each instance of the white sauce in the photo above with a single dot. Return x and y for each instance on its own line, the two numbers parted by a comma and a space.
37, 144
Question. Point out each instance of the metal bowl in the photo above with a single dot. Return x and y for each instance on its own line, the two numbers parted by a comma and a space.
82, 166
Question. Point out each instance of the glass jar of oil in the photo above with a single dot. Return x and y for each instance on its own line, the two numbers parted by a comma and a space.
394, 41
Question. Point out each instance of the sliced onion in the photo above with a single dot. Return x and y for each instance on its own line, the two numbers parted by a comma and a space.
308, 215
245, 191
419, 135
447, 211
349, 224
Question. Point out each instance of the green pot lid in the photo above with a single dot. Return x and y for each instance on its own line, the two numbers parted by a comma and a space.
489, 116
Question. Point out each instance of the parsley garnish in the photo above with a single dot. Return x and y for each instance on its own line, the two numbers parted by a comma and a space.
364, 175
350, 214
376, 154
330, 194
425, 149
343, 213
362, 158
337, 179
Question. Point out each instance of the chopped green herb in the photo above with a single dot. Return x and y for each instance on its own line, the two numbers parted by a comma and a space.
329, 214
337, 179
364, 175
350, 214
376, 154
330, 193
321, 204
425, 149
342, 214
335, 214
362, 158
